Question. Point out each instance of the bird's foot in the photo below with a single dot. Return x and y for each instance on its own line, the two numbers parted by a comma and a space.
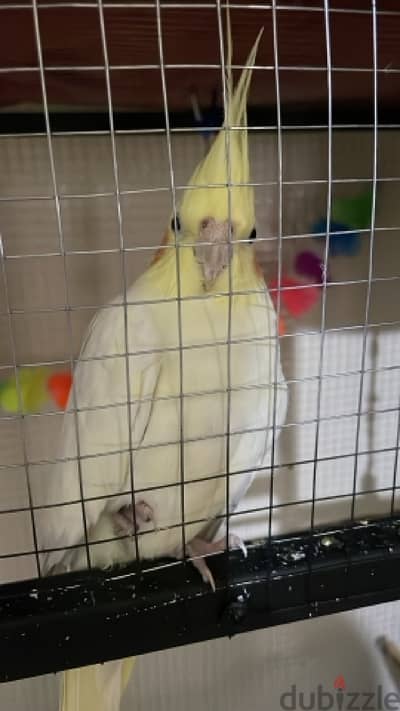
126, 521
198, 548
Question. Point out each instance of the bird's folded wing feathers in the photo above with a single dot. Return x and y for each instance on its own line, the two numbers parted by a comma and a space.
94, 457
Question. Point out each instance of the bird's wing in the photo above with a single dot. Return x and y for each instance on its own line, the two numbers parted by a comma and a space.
94, 458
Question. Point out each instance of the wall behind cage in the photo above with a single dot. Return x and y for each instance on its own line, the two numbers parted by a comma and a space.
52, 299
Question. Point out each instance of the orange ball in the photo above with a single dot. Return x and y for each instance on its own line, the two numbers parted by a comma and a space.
59, 386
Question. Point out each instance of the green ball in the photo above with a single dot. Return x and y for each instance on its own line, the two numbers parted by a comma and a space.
33, 391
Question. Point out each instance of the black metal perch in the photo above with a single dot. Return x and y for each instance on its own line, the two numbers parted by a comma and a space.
82, 618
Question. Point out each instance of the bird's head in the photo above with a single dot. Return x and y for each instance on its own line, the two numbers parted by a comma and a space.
217, 214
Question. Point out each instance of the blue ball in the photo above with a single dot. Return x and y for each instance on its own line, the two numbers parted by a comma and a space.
341, 241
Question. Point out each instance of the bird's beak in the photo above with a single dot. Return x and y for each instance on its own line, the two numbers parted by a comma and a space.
214, 249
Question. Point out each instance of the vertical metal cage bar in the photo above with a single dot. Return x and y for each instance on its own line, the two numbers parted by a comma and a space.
226, 99
57, 203
395, 466
326, 258
123, 265
178, 270
280, 242
371, 252
20, 417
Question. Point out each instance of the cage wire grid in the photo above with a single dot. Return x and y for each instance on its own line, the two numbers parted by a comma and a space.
330, 569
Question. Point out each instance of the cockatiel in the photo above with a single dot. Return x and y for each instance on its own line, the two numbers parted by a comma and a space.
179, 370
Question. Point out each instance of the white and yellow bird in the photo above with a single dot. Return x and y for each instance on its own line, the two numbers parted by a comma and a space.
180, 370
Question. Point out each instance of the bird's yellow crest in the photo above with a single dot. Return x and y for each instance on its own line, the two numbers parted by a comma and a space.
226, 163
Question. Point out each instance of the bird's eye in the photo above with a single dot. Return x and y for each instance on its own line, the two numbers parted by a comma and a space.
253, 234
177, 223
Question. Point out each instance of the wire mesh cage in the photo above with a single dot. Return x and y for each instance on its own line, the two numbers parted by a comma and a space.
103, 123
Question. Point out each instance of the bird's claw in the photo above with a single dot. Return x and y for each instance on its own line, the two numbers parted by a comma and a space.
198, 548
237, 542
129, 523
144, 512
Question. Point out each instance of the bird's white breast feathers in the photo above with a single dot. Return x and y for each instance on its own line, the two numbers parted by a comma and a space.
165, 381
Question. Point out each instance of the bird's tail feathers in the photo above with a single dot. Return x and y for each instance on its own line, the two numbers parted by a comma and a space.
98, 687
